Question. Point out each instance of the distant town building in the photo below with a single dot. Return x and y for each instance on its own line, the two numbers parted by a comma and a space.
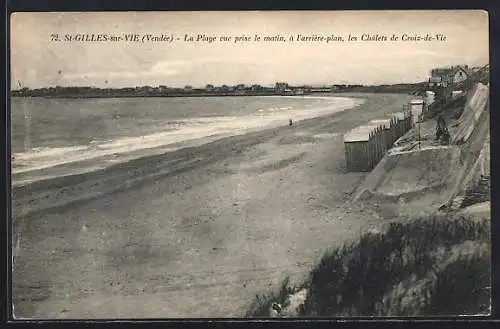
436, 81
256, 88
239, 89
188, 88
442, 77
460, 73
305, 88
280, 86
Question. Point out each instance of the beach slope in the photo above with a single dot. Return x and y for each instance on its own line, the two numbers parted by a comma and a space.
212, 226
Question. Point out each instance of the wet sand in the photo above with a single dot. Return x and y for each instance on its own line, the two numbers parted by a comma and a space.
212, 226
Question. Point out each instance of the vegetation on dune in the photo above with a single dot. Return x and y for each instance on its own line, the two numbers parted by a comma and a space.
479, 192
262, 303
438, 265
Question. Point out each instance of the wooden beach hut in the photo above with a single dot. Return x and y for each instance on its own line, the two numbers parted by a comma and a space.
417, 109
361, 148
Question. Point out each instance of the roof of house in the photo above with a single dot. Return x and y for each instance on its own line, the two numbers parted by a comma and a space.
461, 68
440, 72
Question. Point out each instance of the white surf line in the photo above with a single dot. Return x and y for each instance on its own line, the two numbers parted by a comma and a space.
210, 129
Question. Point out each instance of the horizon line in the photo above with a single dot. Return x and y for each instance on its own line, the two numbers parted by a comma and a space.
230, 85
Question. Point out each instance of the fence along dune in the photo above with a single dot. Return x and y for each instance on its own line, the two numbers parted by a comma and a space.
367, 144
387, 126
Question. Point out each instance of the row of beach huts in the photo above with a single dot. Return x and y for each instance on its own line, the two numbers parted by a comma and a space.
367, 144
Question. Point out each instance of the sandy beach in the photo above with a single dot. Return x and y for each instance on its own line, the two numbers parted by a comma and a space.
209, 227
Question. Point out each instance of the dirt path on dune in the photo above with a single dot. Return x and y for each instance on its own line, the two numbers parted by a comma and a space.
203, 242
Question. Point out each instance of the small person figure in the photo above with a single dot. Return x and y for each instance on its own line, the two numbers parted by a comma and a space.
290, 123
440, 121
445, 139
441, 127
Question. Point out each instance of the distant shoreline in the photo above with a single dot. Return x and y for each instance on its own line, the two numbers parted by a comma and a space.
199, 95
90, 92
155, 96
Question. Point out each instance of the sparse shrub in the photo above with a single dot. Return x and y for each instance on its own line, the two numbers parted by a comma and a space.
462, 288
262, 303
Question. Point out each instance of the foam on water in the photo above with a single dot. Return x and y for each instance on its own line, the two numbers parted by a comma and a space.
185, 130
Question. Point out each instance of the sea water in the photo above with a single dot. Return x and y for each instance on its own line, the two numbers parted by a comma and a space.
49, 132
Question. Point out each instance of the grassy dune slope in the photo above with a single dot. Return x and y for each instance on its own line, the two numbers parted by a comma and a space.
439, 265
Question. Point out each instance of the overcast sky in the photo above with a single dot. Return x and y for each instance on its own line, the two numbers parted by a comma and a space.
38, 62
